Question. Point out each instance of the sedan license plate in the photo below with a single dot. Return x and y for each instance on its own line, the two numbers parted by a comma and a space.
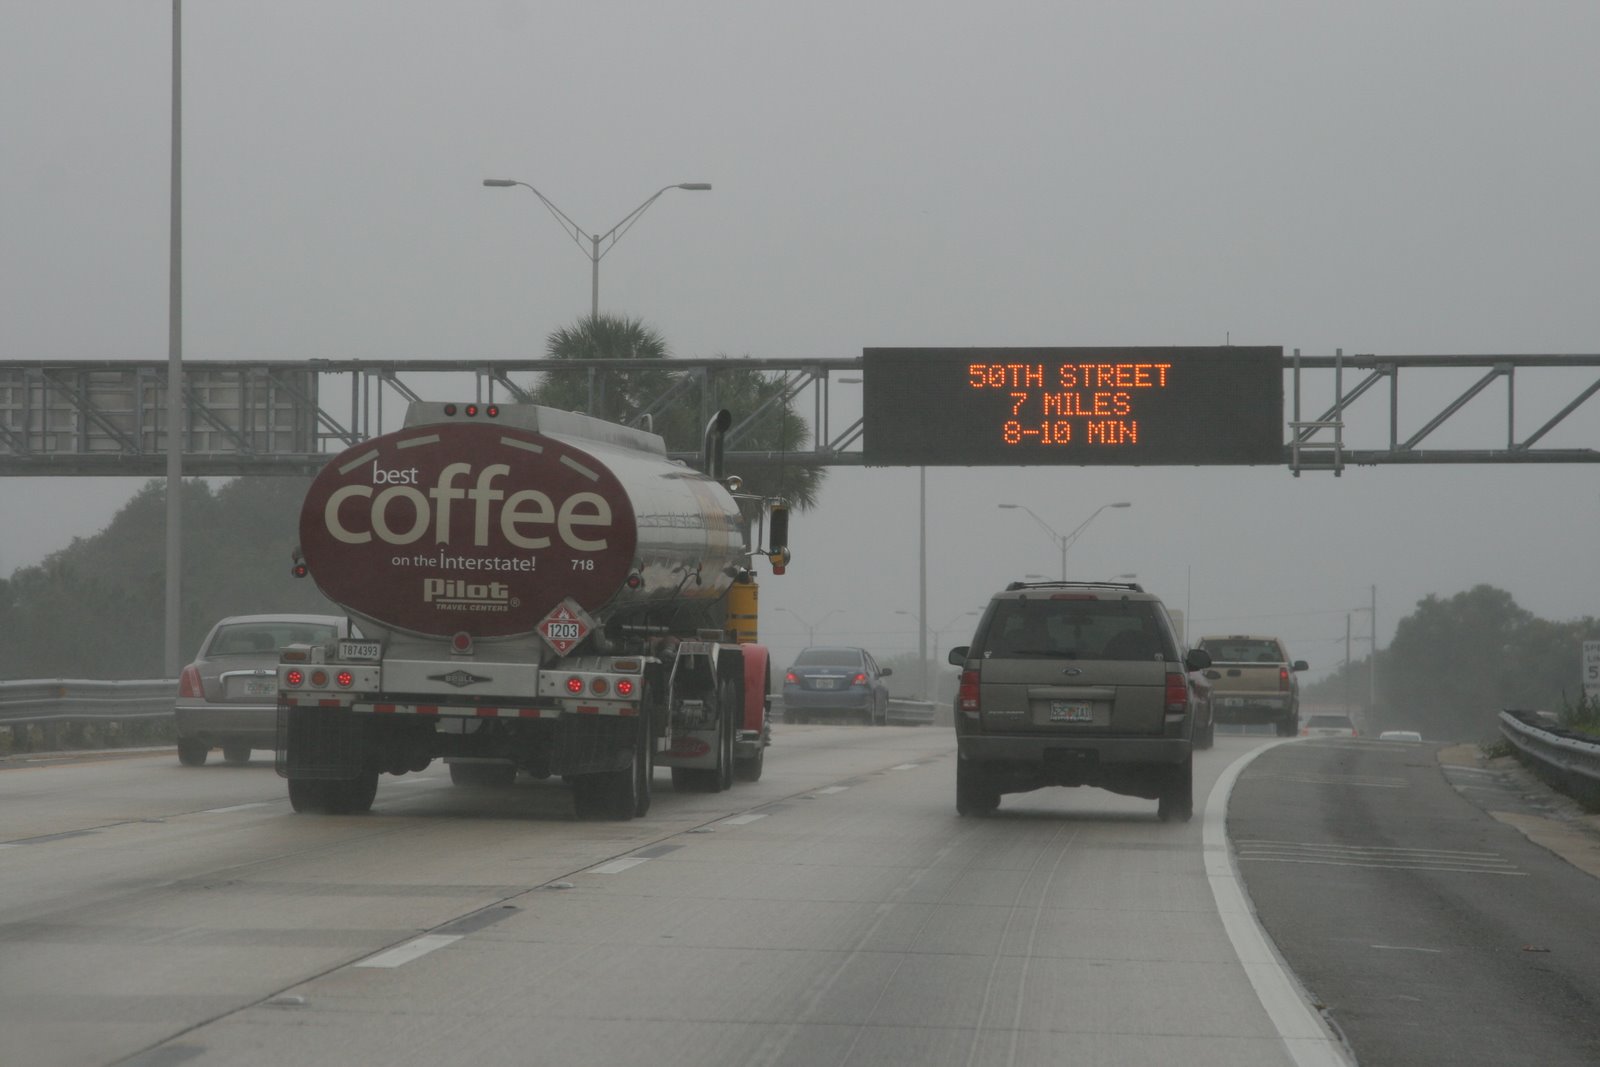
363, 650
1071, 711
261, 687
824, 683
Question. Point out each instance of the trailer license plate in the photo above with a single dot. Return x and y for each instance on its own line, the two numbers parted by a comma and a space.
362, 650
1071, 711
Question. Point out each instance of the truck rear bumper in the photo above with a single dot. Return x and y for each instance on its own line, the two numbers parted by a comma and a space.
1039, 751
1251, 709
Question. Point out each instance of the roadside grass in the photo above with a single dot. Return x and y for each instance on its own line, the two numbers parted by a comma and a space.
1582, 715
86, 736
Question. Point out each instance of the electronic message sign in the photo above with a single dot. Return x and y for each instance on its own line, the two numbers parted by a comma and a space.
1072, 406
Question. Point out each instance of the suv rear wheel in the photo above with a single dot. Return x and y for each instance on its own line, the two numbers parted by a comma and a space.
1177, 795
975, 794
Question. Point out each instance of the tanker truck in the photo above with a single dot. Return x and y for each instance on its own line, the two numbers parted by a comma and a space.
537, 591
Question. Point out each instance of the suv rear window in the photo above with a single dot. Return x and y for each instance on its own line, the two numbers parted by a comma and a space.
1244, 651
1075, 628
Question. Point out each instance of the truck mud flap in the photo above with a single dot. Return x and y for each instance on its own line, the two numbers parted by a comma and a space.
326, 743
586, 744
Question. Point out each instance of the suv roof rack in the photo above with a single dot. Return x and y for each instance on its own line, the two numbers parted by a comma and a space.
1131, 586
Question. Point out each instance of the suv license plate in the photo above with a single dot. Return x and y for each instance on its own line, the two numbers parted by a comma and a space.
1071, 711
364, 650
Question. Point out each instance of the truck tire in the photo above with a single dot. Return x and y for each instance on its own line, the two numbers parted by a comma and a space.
975, 794
1177, 793
749, 770
192, 752
307, 795
354, 796
1289, 727
238, 755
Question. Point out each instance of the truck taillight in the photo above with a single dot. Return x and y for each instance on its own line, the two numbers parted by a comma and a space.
967, 692
345, 679
1177, 693
574, 684
295, 678
1283, 679
189, 683
859, 679
625, 687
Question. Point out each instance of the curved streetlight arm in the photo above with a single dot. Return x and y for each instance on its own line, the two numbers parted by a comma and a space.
1051, 530
578, 234
1076, 530
614, 234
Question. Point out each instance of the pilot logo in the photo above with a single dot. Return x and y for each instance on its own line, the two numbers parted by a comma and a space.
454, 594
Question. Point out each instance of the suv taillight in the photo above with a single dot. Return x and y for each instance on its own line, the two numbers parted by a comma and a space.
189, 683
1177, 693
967, 692
1283, 679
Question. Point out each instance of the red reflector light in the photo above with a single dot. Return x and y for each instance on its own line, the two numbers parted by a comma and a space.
625, 688
472, 411
967, 691
346, 679
300, 570
295, 677
461, 643
319, 678
449, 409
574, 684
1177, 693
493, 411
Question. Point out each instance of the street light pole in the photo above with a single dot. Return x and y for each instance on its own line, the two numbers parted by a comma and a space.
811, 627
1064, 541
579, 234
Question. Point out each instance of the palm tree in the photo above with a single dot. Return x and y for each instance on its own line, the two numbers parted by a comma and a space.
625, 394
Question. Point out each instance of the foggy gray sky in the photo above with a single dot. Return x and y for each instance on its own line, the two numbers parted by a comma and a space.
1394, 177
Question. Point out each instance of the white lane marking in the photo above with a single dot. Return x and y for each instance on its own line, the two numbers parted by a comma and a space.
1385, 866
410, 950
743, 820
235, 807
9, 844
1407, 948
826, 790
416, 781
905, 766
1307, 1039
618, 866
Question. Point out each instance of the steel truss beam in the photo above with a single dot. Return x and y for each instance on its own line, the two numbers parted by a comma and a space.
55, 419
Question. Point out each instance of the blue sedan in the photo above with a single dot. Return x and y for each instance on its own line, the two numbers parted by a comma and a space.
836, 683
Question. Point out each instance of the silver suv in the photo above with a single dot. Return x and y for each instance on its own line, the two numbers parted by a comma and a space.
1078, 683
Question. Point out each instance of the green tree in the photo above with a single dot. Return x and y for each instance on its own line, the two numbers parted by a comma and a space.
679, 404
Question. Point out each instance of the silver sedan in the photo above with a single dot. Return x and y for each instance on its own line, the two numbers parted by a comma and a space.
228, 697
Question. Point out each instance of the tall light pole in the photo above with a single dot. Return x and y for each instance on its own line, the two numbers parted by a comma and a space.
579, 235
174, 545
811, 627
1064, 541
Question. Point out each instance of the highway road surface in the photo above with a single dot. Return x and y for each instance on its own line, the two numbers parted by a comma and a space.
836, 912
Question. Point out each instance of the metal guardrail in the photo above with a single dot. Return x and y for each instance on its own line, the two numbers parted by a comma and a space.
47, 700
1568, 761
902, 712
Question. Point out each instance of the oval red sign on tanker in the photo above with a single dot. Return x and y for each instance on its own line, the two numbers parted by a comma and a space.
449, 527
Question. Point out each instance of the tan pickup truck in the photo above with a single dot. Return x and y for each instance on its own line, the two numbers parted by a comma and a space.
1253, 681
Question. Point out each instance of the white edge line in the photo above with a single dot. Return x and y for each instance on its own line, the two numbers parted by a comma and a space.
235, 807
744, 820
1306, 1036
618, 866
409, 951
832, 789
905, 766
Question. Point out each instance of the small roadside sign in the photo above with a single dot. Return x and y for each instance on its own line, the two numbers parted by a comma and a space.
1591, 669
